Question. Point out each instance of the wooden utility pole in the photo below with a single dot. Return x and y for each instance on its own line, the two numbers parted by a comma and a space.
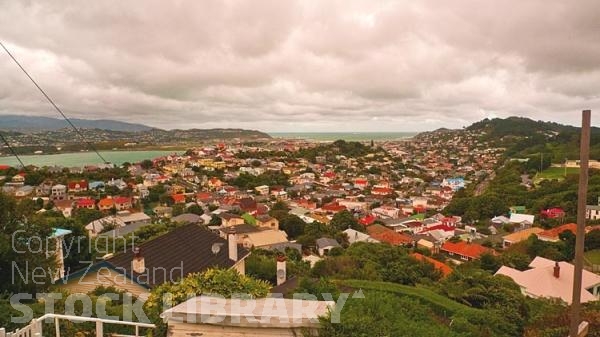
584, 154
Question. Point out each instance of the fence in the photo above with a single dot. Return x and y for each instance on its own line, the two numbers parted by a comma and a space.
35, 328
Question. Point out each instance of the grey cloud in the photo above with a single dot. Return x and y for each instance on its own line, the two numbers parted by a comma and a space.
304, 65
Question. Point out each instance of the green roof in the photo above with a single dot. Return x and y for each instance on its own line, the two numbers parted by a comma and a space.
249, 219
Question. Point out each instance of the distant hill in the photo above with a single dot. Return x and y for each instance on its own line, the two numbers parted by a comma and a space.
39, 123
520, 126
524, 137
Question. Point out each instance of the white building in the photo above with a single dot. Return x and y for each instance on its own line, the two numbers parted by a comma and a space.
551, 279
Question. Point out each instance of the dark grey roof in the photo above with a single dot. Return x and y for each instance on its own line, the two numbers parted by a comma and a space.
326, 242
187, 218
280, 247
240, 229
188, 247
122, 231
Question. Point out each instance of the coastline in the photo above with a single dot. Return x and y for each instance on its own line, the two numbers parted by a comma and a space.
82, 158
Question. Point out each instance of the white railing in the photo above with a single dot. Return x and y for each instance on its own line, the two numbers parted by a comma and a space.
34, 329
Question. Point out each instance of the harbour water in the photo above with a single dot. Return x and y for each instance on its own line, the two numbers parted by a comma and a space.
84, 158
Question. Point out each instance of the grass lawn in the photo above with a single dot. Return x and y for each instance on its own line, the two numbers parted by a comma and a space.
593, 256
555, 173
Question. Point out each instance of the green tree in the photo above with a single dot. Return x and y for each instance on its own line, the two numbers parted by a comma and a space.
292, 225
214, 221
195, 209
178, 209
146, 164
85, 216
344, 220
23, 248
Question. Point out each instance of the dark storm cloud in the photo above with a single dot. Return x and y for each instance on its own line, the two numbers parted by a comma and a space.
304, 65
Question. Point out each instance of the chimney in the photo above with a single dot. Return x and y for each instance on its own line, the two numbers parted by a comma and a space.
556, 270
281, 269
138, 264
233, 249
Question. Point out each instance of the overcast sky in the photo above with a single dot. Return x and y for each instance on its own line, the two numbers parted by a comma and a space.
304, 65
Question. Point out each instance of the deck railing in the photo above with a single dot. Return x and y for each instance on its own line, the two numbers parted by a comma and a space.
35, 328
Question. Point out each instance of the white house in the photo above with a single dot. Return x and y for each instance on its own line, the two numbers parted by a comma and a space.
271, 316
356, 236
58, 192
522, 218
325, 245
551, 279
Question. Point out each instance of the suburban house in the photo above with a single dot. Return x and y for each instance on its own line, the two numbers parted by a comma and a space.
356, 236
442, 267
384, 234
58, 192
516, 210
266, 221
592, 212
263, 238
65, 207
24, 191
525, 219
123, 203
85, 203
552, 234
78, 186
106, 204
188, 218
553, 213
519, 236
169, 257
324, 245
454, 183
121, 219
228, 219
163, 211
552, 279
271, 316
178, 198
262, 190
465, 250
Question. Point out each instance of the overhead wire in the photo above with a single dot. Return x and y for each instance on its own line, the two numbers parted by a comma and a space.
14, 153
89, 144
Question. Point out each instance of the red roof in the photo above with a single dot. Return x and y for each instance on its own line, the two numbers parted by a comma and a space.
329, 174
444, 268
178, 198
122, 200
333, 207
4, 167
382, 190
384, 234
203, 196
82, 184
86, 202
463, 248
106, 202
445, 228
369, 219
361, 182
553, 213
554, 232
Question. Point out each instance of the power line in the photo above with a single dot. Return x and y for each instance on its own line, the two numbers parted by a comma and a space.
91, 146
12, 150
